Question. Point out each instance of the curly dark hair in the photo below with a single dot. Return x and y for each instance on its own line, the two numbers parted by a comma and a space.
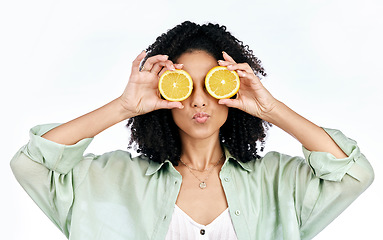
155, 134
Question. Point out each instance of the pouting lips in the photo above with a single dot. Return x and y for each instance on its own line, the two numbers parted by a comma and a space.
201, 117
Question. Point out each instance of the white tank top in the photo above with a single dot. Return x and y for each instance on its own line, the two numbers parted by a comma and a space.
184, 227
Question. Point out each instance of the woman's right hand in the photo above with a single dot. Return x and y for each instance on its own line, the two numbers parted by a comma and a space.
141, 94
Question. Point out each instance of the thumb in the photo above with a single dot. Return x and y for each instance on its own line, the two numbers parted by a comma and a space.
234, 103
169, 105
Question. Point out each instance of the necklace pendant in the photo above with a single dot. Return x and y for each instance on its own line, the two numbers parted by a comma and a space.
202, 185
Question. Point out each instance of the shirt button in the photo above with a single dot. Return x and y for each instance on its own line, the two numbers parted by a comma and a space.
227, 179
237, 212
202, 232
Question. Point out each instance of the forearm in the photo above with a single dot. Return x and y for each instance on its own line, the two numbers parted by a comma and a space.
88, 125
307, 133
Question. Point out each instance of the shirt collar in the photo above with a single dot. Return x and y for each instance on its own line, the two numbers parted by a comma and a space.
155, 166
245, 166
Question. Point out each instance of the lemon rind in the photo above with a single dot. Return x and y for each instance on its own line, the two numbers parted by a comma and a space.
175, 99
208, 88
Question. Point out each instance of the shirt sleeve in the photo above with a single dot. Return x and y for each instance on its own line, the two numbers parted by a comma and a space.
326, 186
46, 171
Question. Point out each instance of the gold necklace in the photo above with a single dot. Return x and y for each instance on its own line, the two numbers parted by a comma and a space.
202, 184
203, 170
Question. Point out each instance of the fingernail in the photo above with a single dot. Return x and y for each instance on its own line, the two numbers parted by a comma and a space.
182, 106
172, 68
224, 52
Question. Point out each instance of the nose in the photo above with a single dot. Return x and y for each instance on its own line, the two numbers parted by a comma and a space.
198, 98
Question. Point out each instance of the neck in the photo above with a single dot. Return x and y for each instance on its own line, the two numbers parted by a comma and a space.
201, 153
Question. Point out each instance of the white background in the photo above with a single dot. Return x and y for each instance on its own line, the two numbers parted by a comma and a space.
61, 59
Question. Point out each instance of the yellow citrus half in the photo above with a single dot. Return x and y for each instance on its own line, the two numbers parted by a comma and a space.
175, 85
222, 83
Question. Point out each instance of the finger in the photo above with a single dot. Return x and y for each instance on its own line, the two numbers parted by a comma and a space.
234, 103
224, 63
157, 67
240, 66
169, 105
153, 60
162, 72
137, 61
241, 73
160, 65
177, 66
227, 57
169, 65
248, 78
233, 67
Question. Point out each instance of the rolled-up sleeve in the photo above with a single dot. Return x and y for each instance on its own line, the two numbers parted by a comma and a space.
326, 166
45, 170
56, 157
332, 185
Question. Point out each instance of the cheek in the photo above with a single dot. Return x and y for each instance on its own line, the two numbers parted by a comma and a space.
179, 116
221, 114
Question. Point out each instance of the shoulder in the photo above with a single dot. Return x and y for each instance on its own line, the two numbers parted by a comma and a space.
116, 161
276, 164
279, 160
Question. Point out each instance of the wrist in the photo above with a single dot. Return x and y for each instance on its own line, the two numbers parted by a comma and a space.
274, 113
122, 111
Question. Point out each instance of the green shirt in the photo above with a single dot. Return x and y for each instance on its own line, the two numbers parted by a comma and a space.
115, 196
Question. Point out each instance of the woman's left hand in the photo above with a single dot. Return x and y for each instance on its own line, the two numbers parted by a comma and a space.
252, 96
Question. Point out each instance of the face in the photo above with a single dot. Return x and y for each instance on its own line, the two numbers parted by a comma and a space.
202, 116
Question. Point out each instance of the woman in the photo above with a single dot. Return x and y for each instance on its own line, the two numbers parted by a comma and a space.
199, 174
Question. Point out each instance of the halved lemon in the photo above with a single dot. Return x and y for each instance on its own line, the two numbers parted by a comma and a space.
176, 85
222, 83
